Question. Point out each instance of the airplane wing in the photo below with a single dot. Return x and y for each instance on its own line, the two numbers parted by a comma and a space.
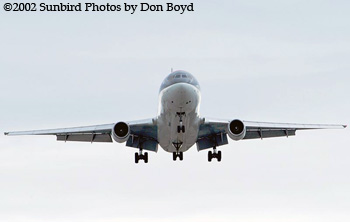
96, 133
217, 130
142, 131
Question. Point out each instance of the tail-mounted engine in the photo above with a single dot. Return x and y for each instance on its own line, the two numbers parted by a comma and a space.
236, 129
121, 132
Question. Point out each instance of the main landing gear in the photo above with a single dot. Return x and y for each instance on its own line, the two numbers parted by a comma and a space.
214, 154
141, 156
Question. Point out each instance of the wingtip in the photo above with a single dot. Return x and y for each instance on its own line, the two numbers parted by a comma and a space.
6, 133
345, 126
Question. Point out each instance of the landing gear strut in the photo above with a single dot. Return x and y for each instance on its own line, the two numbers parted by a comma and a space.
180, 128
214, 154
141, 156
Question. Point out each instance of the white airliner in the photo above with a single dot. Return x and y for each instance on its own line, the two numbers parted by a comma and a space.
177, 126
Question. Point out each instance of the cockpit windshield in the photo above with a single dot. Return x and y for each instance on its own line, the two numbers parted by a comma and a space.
179, 77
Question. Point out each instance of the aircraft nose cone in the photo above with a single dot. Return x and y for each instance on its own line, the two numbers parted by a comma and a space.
182, 91
184, 88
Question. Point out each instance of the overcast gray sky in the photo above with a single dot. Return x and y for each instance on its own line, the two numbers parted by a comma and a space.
282, 61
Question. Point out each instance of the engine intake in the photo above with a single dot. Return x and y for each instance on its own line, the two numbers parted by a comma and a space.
121, 132
236, 129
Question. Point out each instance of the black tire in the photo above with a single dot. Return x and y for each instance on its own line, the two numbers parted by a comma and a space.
145, 158
183, 129
219, 156
210, 156
174, 156
136, 158
178, 129
181, 156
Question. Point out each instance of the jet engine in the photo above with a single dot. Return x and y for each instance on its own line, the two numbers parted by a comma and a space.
121, 132
236, 129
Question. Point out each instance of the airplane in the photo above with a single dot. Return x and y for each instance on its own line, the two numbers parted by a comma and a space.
178, 126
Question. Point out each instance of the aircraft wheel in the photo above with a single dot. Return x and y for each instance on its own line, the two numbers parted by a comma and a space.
145, 158
136, 158
210, 156
181, 156
219, 156
174, 156
178, 129
183, 129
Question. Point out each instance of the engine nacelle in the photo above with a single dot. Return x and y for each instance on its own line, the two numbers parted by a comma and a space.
236, 129
121, 132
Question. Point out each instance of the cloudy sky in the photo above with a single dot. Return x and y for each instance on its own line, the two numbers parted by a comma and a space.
282, 61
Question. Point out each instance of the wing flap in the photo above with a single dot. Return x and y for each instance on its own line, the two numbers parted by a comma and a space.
104, 128
260, 134
105, 138
296, 126
212, 127
145, 130
144, 135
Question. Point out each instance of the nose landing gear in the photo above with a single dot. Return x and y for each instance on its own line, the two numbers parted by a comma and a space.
177, 145
214, 154
178, 154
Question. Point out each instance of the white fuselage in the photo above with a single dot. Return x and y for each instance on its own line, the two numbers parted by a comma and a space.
183, 99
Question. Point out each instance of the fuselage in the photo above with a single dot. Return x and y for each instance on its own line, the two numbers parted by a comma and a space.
178, 116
